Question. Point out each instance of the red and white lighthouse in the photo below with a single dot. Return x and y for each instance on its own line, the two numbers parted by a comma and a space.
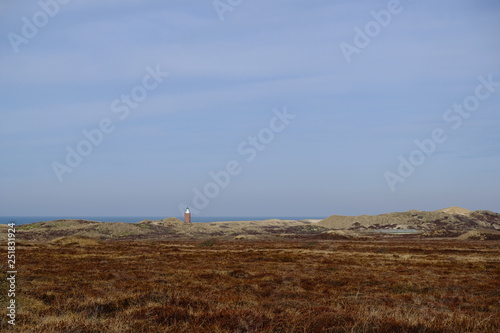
187, 215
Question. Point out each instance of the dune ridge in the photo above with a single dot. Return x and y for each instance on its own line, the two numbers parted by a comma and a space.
448, 222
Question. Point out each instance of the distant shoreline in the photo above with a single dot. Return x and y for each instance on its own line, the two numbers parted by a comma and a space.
451, 222
20, 220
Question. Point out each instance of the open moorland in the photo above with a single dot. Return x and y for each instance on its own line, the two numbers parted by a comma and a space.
396, 284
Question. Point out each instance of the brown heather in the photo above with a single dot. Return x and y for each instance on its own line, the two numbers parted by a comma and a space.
294, 286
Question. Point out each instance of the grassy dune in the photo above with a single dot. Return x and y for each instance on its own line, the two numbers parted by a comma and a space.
308, 286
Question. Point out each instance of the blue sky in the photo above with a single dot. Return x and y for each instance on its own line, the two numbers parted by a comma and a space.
352, 120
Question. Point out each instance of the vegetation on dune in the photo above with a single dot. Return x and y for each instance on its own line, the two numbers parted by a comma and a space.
454, 220
30, 226
447, 223
320, 286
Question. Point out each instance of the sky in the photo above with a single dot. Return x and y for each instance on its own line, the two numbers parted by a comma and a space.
248, 108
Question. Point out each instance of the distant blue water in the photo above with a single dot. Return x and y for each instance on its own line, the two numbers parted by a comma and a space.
134, 219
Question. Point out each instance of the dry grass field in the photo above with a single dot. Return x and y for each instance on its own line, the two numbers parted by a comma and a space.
395, 285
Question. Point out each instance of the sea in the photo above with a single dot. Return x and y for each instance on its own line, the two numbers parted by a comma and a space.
18, 220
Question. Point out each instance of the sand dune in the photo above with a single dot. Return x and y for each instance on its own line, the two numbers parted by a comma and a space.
454, 220
455, 210
449, 222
